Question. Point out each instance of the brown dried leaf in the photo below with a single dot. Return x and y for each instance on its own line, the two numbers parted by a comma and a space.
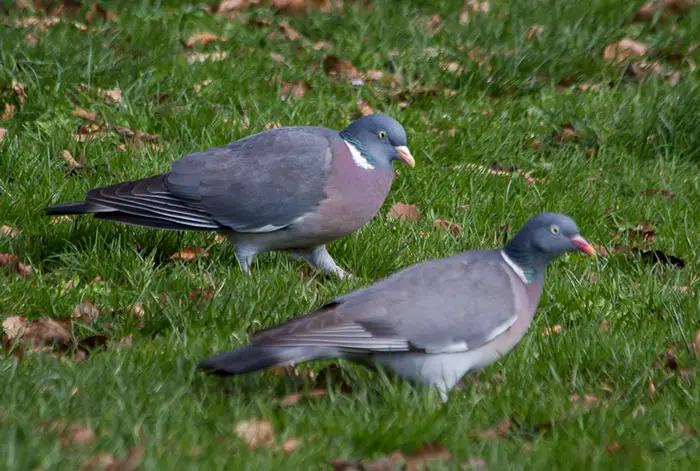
12, 261
503, 429
77, 435
13, 325
586, 401
340, 68
203, 39
664, 9
318, 45
296, 7
10, 111
289, 32
664, 194
472, 7
294, 89
427, 453
8, 231
190, 253
71, 162
290, 445
292, 399
449, 226
623, 49
255, 433
364, 108
45, 332
433, 23
86, 115
534, 30
651, 388
193, 57
553, 330
3, 133
198, 87
135, 137
404, 212
131, 462
99, 462
86, 311
231, 7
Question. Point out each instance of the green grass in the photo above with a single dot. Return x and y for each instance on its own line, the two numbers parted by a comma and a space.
151, 392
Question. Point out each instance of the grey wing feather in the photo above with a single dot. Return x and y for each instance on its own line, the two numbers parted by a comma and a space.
259, 183
448, 305
148, 202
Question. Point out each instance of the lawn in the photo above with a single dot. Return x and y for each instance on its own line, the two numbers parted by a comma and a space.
505, 119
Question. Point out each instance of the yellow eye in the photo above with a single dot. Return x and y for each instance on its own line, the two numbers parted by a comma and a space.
554, 229
382, 134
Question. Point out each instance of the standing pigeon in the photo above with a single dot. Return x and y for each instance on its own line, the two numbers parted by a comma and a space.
293, 189
430, 323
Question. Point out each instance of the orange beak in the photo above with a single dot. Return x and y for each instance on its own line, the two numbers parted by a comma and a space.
583, 245
406, 155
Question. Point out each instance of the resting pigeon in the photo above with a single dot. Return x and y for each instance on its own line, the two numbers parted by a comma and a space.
293, 189
430, 323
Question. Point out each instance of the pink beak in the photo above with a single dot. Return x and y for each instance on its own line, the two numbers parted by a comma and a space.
583, 245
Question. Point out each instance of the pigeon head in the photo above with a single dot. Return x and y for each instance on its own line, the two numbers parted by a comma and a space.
380, 139
542, 239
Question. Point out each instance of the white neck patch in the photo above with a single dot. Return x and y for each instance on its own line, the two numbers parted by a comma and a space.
518, 271
357, 157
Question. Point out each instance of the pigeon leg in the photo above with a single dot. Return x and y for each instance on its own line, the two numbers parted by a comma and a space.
245, 255
320, 258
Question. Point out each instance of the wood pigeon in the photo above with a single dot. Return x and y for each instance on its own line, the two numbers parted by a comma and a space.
430, 323
292, 189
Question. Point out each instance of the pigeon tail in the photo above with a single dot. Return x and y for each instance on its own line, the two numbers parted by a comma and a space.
257, 357
76, 208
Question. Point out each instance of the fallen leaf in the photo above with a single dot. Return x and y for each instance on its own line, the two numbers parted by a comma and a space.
553, 330
340, 68
472, 7
44, 332
77, 435
198, 87
668, 358
502, 429
624, 49
404, 212
297, 7
566, 133
203, 39
12, 325
121, 148
71, 162
432, 23
193, 57
294, 89
272, 125
651, 388
318, 45
613, 447
86, 115
130, 463
664, 8
278, 58
231, 7
664, 194
289, 32
292, 399
427, 453
10, 111
99, 11
498, 170
290, 445
449, 226
99, 462
109, 96
255, 433
86, 311
640, 70
364, 108
3, 133
190, 253
136, 310
8, 231
90, 132
696, 343
585, 401
452, 67
534, 30
58, 219
12, 261
134, 137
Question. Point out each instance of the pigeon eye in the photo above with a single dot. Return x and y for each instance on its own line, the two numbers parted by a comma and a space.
382, 134
554, 229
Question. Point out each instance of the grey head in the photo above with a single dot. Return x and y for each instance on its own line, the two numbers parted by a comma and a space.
542, 239
380, 139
